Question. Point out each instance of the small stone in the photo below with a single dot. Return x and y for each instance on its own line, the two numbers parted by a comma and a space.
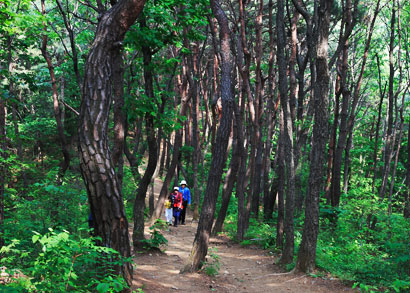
226, 272
258, 262
174, 288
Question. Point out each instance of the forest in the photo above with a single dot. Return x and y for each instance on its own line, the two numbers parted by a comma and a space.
288, 119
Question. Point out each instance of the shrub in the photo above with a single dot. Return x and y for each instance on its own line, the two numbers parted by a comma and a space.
62, 262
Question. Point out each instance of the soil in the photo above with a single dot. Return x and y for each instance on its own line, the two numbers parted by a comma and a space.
242, 269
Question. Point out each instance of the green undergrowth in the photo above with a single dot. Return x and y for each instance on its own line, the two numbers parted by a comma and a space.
365, 246
157, 240
60, 262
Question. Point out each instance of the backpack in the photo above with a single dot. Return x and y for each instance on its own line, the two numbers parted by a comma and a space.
178, 200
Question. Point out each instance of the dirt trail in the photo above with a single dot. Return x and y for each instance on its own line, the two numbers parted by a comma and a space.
242, 269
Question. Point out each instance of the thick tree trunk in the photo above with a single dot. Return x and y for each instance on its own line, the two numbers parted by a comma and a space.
119, 112
258, 103
103, 188
287, 256
200, 246
230, 180
268, 200
307, 250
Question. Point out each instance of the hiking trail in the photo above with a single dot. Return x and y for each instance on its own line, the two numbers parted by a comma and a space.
242, 269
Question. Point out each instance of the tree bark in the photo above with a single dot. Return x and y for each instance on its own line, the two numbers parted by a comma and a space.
103, 189
280, 184
200, 246
287, 255
307, 250
230, 180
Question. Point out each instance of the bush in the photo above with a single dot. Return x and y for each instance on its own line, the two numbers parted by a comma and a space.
157, 239
62, 262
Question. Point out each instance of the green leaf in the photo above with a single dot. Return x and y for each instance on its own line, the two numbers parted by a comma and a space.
103, 287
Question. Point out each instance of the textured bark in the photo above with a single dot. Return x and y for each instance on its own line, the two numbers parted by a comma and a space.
119, 112
258, 103
280, 184
268, 200
293, 85
307, 250
200, 245
230, 180
57, 112
103, 189
287, 255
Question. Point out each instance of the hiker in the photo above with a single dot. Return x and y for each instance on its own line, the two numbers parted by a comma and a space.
168, 207
177, 204
186, 195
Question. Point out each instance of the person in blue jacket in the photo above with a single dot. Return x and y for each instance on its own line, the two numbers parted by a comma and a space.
186, 195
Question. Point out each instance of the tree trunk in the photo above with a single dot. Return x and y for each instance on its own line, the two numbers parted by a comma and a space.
307, 250
287, 255
268, 200
335, 191
103, 189
57, 113
379, 115
200, 246
139, 203
388, 149
230, 179
280, 185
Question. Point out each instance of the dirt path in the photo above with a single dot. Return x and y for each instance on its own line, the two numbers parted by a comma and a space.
242, 269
